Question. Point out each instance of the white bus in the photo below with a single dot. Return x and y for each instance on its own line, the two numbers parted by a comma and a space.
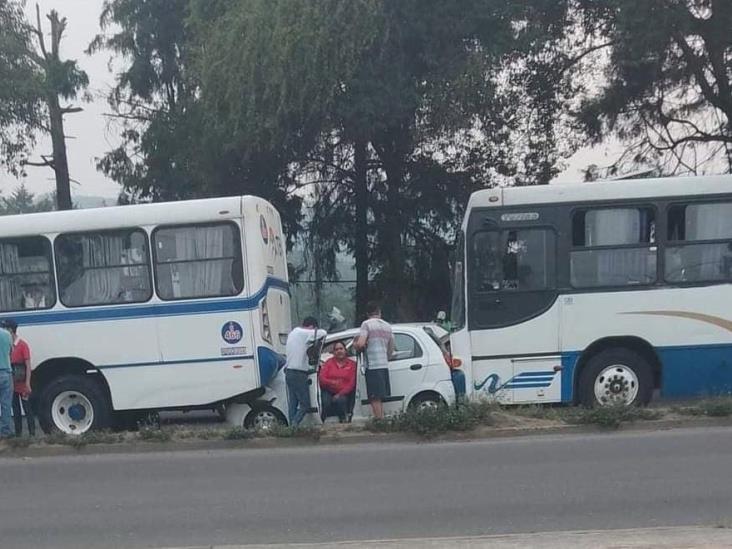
146, 307
597, 293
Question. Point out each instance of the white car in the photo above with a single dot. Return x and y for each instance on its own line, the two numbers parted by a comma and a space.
419, 376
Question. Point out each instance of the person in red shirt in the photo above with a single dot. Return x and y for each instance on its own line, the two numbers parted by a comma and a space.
337, 383
21, 363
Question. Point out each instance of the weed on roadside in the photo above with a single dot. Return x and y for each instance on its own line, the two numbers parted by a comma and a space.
538, 411
610, 417
430, 422
713, 407
17, 443
149, 434
283, 431
238, 433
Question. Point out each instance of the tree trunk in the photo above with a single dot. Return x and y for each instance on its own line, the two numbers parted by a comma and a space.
392, 237
361, 236
60, 161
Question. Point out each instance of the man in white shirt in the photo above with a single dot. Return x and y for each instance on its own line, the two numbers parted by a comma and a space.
377, 339
298, 365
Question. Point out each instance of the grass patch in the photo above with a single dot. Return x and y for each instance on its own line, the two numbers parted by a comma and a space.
238, 433
539, 411
284, 431
149, 434
431, 422
713, 407
18, 443
88, 438
610, 417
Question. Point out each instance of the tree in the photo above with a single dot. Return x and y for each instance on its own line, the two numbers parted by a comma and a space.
375, 104
36, 104
62, 80
667, 88
23, 201
19, 88
168, 151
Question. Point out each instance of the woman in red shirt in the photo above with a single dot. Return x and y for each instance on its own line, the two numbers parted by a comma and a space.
337, 383
20, 360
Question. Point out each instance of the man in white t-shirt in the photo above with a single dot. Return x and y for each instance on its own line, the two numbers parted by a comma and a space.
377, 339
298, 365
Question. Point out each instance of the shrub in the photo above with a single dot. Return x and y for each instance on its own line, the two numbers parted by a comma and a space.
430, 422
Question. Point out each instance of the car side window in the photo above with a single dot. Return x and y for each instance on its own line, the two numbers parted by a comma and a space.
405, 347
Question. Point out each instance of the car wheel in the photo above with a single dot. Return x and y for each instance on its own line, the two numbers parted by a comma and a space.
264, 417
426, 401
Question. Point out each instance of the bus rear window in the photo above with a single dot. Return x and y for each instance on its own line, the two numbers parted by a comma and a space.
197, 261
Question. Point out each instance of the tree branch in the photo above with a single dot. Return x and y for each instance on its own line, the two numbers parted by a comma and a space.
68, 110
39, 32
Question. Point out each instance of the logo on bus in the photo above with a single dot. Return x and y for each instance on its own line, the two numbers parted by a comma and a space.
264, 229
232, 332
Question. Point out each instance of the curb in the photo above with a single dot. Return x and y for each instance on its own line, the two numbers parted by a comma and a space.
331, 439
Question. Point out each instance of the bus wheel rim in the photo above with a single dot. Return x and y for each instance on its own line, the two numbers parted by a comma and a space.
616, 385
72, 413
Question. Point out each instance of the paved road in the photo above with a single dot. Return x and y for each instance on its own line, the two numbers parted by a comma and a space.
313, 494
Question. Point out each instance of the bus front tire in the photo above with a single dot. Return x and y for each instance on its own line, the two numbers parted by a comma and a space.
73, 405
616, 377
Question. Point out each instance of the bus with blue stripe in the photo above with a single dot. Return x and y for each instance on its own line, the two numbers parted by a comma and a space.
597, 293
146, 307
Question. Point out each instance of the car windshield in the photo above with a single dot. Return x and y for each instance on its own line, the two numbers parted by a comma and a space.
441, 341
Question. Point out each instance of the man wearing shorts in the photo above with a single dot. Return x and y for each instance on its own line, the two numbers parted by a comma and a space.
377, 339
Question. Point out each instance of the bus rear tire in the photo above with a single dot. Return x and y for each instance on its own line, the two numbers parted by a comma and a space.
616, 376
73, 405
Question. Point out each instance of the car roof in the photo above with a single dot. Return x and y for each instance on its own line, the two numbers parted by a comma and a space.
402, 327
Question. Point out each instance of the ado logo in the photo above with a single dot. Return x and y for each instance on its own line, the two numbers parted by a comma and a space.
232, 332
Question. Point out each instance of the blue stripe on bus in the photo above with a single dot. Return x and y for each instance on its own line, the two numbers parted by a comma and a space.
527, 385
686, 371
698, 370
170, 362
569, 362
129, 312
549, 373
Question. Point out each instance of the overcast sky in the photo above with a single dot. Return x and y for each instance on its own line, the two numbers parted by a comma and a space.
91, 133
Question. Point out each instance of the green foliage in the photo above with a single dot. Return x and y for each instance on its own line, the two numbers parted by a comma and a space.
153, 434
610, 417
430, 422
284, 431
238, 433
20, 87
666, 90
714, 407
22, 201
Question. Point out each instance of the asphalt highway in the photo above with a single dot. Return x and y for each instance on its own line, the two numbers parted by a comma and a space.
368, 491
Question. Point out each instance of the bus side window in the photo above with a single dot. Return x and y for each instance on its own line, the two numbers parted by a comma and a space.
26, 277
103, 268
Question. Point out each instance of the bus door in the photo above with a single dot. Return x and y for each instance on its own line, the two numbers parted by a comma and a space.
512, 307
